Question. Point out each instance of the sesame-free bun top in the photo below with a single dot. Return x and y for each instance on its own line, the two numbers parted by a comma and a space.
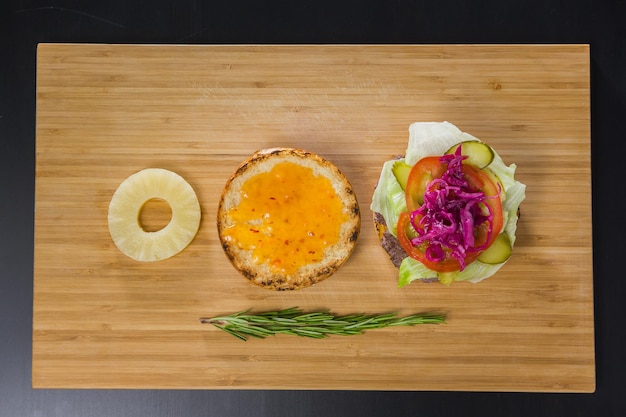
287, 218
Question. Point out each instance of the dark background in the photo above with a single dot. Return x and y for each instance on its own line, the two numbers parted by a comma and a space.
23, 24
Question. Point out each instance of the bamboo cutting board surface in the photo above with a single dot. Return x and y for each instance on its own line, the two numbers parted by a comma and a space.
102, 320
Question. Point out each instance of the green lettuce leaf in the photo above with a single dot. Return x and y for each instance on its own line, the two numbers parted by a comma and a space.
433, 139
388, 198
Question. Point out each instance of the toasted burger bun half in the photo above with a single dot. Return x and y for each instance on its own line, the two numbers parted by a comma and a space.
303, 271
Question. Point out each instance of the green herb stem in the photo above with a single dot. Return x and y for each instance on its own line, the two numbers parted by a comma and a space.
293, 321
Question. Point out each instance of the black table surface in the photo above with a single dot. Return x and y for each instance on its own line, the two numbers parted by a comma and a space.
25, 23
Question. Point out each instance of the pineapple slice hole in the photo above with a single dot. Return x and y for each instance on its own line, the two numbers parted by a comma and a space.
153, 215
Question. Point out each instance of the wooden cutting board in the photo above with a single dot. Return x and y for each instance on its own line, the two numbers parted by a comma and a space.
102, 320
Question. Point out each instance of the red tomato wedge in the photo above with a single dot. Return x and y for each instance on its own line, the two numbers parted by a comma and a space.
422, 173
487, 224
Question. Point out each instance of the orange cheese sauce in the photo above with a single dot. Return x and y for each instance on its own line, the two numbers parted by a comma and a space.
287, 217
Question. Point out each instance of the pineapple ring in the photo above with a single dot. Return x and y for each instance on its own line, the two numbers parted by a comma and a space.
127, 203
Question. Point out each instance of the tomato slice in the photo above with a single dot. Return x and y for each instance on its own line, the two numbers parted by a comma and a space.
422, 173
419, 253
479, 180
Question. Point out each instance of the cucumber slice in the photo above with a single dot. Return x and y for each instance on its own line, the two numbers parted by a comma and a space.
401, 171
447, 278
478, 153
499, 251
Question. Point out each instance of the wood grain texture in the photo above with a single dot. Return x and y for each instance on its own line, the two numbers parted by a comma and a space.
102, 320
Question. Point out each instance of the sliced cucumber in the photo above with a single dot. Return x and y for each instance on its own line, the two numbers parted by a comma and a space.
499, 251
401, 171
478, 153
447, 278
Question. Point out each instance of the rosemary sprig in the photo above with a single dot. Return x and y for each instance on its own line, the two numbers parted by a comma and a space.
318, 325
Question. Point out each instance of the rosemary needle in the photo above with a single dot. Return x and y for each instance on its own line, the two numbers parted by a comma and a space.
293, 321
